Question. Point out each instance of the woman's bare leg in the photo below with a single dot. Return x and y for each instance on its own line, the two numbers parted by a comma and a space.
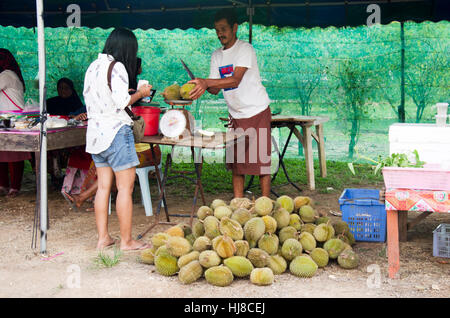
124, 208
105, 178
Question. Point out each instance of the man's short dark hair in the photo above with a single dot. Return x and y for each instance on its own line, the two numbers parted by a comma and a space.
228, 14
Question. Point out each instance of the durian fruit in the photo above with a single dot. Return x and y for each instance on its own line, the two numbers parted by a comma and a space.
269, 243
231, 228
322, 219
241, 215
282, 217
186, 259
253, 230
204, 211
224, 246
166, 264
334, 247
159, 239
320, 256
340, 227
175, 231
295, 221
162, 250
198, 229
301, 201
308, 241
291, 249
270, 223
344, 239
242, 248
219, 276
238, 203
258, 257
331, 231
303, 266
147, 256
222, 211
239, 265
172, 92
216, 203
185, 90
307, 214
190, 272
286, 202
186, 228
190, 238
202, 243
263, 206
350, 237
321, 232
178, 246
308, 227
262, 276
348, 259
211, 225
209, 259
277, 264
287, 233
347, 247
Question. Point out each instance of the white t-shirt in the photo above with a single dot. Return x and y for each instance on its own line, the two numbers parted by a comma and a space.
250, 97
105, 108
11, 84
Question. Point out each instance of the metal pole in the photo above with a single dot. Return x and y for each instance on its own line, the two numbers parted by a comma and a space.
401, 108
42, 108
250, 12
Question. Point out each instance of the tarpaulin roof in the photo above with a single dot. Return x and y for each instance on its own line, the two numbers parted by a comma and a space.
184, 14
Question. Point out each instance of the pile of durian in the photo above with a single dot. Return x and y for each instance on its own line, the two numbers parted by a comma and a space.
256, 239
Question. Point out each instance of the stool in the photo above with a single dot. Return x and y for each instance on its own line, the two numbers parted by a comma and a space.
142, 174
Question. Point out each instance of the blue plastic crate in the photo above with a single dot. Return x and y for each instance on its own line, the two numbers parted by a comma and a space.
441, 241
364, 213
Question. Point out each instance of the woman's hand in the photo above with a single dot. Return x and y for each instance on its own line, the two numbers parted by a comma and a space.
82, 116
144, 90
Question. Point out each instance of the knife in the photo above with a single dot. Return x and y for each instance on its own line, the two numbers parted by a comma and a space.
187, 70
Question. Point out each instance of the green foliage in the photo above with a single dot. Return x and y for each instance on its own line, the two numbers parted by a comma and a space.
104, 259
394, 160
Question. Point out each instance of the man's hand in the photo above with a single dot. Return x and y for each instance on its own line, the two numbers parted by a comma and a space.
199, 89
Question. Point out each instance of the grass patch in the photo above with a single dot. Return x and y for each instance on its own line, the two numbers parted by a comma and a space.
104, 259
216, 179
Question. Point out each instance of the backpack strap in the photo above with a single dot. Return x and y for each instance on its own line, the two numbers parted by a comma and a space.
111, 66
127, 110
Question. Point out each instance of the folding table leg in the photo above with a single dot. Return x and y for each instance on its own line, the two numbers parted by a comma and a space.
321, 148
309, 157
393, 243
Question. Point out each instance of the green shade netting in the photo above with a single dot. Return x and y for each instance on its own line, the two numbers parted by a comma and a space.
352, 75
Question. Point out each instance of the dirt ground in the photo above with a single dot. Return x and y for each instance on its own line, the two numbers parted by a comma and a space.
69, 269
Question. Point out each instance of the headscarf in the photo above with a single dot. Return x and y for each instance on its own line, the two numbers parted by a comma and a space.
65, 106
8, 62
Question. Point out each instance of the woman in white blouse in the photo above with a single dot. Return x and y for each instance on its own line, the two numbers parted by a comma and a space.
12, 87
109, 137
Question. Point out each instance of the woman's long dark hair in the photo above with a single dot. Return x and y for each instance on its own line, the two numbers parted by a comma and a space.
122, 45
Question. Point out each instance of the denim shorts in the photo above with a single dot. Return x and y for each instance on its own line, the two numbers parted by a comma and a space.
121, 154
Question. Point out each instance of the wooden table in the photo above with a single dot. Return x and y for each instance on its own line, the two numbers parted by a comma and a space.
398, 203
28, 140
220, 140
306, 123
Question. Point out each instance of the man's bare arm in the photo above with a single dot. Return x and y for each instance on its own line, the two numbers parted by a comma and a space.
215, 85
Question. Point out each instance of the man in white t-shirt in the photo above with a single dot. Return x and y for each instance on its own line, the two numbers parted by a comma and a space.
234, 70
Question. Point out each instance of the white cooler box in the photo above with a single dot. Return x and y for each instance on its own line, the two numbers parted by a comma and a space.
431, 141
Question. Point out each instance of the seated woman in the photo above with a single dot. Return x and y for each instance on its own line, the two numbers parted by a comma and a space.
12, 88
67, 103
